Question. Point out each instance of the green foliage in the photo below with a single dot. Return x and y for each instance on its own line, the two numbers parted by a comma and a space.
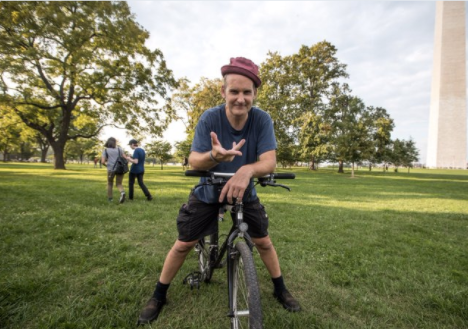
191, 102
16, 139
79, 148
183, 149
64, 61
315, 117
160, 150
351, 135
295, 92
404, 153
380, 251
381, 127
314, 139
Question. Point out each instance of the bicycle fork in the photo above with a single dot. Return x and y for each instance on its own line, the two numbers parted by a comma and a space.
232, 254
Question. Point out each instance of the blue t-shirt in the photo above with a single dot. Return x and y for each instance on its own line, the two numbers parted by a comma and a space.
259, 138
138, 168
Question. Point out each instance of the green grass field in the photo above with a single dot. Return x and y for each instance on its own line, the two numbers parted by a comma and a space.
382, 250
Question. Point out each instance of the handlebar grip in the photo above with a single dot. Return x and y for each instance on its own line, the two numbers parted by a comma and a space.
284, 176
197, 173
206, 173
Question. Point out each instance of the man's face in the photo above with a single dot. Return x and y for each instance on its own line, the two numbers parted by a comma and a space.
133, 146
239, 93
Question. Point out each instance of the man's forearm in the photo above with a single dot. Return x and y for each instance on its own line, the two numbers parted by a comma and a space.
201, 161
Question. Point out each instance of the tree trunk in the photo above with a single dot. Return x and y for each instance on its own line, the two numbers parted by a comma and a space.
370, 166
312, 163
340, 167
44, 146
352, 170
44, 153
59, 160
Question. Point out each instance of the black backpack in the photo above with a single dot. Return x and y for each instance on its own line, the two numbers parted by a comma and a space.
121, 165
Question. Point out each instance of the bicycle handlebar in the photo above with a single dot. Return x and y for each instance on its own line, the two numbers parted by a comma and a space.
203, 173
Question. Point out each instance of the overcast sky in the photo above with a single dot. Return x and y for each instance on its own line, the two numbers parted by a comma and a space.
387, 46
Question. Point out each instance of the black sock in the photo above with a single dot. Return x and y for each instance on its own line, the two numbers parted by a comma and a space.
161, 291
279, 284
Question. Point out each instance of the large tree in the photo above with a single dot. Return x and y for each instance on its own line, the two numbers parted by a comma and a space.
351, 122
314, 139
381, 129
160, 150
274, 96
295, 90
62, 60
404, 153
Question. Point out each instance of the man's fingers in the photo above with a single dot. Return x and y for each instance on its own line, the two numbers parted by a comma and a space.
214, 138
232, 191
222, 194
232, 152
237, 147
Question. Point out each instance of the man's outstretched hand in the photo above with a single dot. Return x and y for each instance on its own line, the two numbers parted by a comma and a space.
220, 153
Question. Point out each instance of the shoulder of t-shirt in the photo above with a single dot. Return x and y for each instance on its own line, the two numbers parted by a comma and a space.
259, 111
212, 112
260, 114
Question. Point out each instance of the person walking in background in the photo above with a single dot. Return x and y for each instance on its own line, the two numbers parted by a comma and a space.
109, 156
137, 170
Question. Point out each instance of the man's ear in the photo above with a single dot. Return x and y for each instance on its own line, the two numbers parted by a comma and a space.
223, 91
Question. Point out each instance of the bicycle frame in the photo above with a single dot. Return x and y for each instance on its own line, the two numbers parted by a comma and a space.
243, 290
235, 232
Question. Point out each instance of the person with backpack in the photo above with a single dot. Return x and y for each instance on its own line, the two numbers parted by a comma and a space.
109, 157
137, 170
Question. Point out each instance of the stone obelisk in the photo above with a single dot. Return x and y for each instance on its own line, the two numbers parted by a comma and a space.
447, 122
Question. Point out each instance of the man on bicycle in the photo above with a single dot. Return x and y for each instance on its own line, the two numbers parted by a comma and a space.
253, 154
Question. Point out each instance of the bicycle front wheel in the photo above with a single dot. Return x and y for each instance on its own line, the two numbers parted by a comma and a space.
246, 306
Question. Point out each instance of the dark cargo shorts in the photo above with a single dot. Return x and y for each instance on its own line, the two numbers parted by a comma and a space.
197, 219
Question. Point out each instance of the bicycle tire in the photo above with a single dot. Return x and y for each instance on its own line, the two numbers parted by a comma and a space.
204, 251
247, 309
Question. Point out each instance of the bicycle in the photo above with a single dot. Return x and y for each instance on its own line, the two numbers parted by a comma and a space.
245, 309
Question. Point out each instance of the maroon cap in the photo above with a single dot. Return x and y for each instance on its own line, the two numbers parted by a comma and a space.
243, 66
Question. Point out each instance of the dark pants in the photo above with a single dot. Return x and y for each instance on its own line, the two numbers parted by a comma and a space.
131, 183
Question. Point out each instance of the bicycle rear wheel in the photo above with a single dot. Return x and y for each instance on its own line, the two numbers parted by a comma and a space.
246, 306
206, 256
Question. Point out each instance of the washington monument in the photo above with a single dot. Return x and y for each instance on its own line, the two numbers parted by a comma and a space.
447, 122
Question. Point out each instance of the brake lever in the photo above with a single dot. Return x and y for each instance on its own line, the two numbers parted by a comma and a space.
273, 183
217, 181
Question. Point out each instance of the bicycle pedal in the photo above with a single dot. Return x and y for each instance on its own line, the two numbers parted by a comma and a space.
193, 279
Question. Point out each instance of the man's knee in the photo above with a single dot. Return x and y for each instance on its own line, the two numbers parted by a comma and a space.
183, 248
264, 244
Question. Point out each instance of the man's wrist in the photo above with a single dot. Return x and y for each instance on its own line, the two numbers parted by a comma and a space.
213, 158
